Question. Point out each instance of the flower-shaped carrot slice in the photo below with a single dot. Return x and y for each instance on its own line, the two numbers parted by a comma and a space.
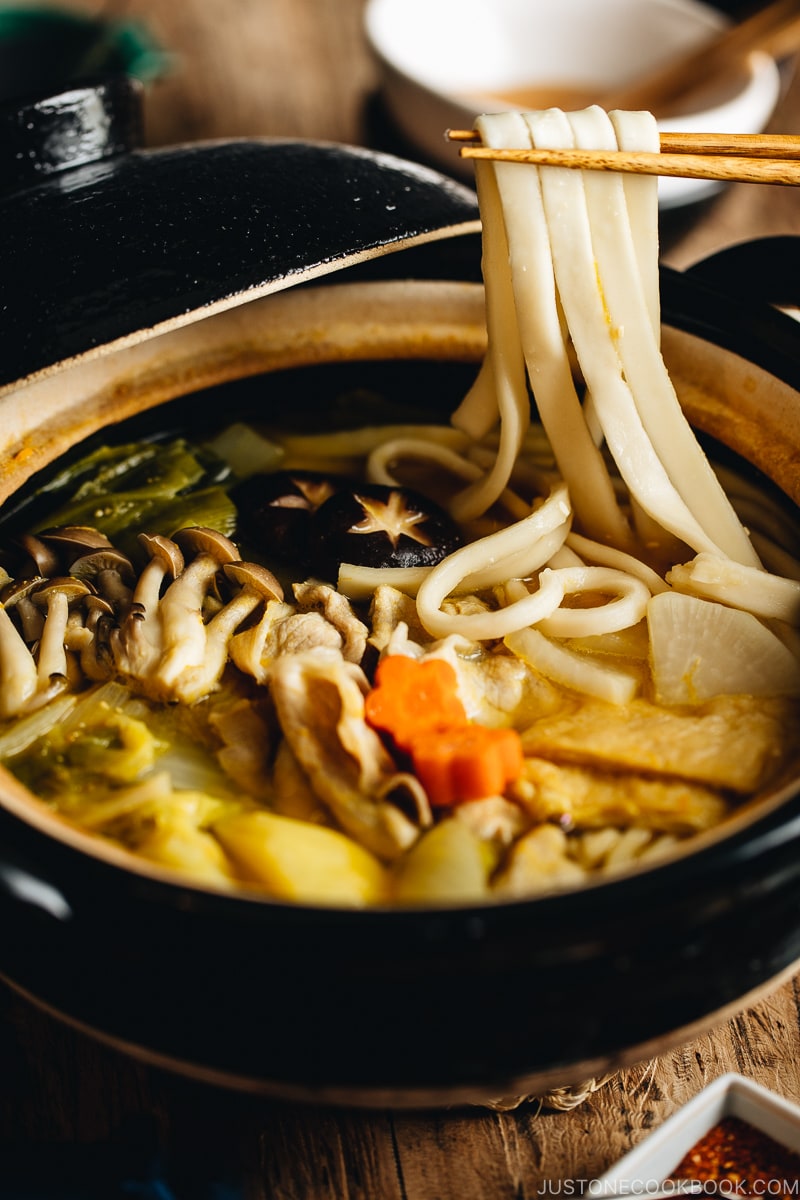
466, 762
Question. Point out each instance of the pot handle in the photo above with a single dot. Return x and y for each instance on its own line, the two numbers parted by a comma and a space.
764, 269
21, 886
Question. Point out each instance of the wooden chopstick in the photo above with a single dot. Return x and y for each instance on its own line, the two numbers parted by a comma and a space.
751, 145
745, 158
773, 29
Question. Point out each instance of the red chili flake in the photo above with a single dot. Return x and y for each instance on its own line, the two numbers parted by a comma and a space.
736, 1159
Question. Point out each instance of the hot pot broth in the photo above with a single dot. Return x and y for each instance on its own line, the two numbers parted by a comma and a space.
421, 658
212, 787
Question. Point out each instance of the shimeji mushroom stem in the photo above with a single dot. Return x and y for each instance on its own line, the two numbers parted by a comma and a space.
165, 643
52, 653
137, 645
18, 675
258, 586
148, 589
181, 614
56, 596
31, 620
197, 681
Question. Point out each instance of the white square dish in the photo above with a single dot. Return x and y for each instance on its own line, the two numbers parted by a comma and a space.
645, 1168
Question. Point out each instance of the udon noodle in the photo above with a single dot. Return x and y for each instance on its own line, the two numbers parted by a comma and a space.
602, 663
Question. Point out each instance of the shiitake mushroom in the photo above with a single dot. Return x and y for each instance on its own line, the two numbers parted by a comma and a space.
275, 509
317, 521
379, 526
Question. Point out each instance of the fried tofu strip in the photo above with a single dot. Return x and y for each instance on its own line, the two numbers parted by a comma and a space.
590, 799
732, 742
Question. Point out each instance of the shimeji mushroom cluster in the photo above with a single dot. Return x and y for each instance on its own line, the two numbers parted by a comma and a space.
78, 610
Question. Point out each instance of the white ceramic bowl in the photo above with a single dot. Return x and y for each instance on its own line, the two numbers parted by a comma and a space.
444, 61
644, 1169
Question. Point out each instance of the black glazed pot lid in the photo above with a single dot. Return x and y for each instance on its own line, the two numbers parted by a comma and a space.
105, 242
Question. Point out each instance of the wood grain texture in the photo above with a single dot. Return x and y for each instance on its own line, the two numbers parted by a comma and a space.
301, 68
59, 1088
718, 167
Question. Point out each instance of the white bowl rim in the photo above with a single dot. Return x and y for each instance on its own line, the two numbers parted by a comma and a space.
644, 1167
383, 18
747, 110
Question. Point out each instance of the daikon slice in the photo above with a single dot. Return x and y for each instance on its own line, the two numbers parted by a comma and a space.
700, 649
764, 595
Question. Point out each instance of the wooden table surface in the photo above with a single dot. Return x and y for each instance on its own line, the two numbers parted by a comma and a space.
301, 68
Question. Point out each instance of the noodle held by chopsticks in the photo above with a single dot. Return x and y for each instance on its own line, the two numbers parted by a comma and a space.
570, 262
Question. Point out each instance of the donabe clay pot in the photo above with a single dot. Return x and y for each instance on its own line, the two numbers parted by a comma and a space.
402, 1007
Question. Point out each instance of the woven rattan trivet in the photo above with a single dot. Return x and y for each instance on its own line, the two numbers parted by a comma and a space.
560, 1099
